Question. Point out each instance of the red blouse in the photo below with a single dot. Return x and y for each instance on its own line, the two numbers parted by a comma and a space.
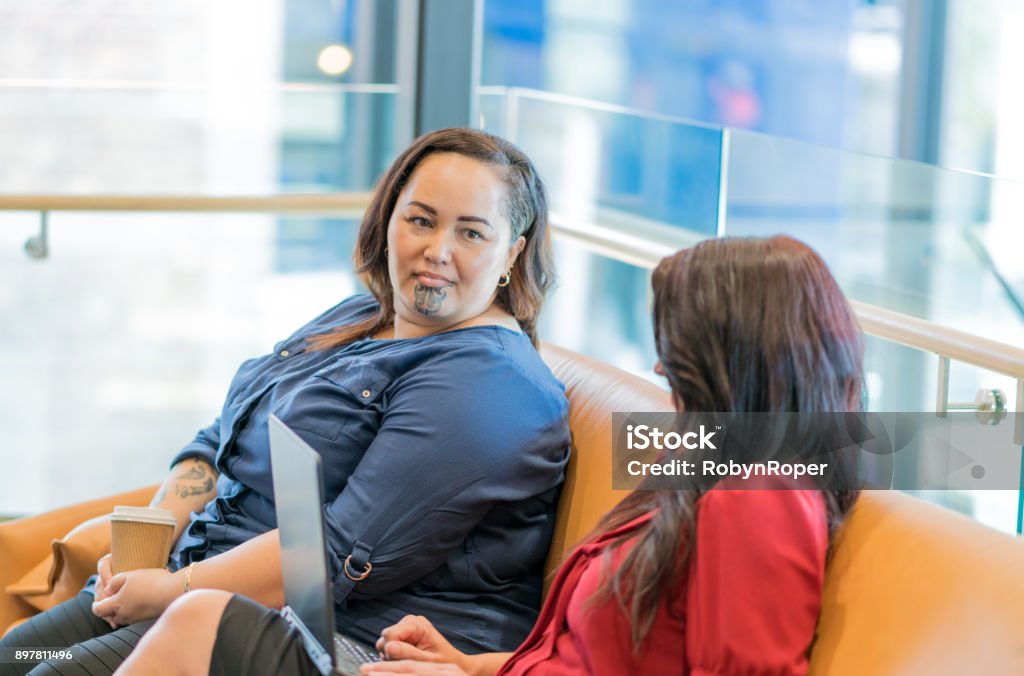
748, 604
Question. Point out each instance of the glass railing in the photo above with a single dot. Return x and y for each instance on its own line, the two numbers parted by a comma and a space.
920, 240
83, 137
906, 236
612, 173
902, 235
119, 344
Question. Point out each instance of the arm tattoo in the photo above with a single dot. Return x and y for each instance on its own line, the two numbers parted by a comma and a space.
196, 472
428, 299
187, 491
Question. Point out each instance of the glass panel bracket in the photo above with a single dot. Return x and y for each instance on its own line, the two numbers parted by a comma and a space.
989, 405
38, 246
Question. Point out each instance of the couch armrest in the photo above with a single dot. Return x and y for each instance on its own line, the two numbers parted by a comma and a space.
24, 543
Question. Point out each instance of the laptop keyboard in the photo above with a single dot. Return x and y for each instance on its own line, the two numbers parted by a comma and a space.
349, 654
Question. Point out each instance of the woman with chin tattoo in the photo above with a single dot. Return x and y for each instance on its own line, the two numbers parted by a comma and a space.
443, 435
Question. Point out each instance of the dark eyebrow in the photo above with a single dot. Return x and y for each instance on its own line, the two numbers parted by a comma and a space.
433, 212
476, 219
421, 205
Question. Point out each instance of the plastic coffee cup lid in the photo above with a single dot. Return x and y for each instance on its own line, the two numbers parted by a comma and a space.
144, 514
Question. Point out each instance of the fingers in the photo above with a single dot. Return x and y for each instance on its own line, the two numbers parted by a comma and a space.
415, 638
399, 650
116, 583
412, 638
104, 573
106, 607
411, 629
103, 567
387, 668
103, 608
107, 611
410, 667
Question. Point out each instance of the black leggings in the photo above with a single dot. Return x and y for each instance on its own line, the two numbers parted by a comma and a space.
100, 648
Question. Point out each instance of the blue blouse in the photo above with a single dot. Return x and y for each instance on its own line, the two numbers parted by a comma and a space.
443, 457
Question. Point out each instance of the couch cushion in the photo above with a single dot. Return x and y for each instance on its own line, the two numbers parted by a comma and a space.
27, 554
918, 589
72, 560
595, 390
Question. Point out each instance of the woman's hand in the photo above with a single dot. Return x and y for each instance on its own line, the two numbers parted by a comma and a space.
136, 595
415, 638
104, 573
410, 667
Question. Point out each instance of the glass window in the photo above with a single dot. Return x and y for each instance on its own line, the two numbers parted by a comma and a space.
820, 72
120, 345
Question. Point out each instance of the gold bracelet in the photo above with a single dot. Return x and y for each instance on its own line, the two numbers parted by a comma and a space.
188, 577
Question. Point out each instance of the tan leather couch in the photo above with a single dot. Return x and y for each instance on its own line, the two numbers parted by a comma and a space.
45, 559
912, 588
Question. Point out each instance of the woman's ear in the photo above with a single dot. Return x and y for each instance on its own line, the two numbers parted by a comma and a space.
677, 401
514, 251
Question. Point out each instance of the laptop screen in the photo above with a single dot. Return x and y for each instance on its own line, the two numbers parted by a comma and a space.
298, 496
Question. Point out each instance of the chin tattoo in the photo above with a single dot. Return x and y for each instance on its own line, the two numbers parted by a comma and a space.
428, 299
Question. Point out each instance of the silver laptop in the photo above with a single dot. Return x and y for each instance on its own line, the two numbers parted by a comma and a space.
298, 496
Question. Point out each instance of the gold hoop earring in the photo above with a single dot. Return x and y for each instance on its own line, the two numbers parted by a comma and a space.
507, 277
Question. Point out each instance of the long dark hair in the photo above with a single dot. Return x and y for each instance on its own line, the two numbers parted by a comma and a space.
740, 325
526, 208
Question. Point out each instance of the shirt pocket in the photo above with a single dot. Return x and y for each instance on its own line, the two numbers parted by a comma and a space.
362, 380
336, 396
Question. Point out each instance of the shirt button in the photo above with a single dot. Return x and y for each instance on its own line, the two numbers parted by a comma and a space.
284, 353
366, 394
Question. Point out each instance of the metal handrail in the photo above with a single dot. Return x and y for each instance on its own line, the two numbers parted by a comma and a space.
309, 203
162, 86
636, 249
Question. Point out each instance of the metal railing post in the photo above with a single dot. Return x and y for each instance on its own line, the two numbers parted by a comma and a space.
38, 246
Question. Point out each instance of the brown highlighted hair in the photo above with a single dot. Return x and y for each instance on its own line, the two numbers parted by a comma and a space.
740, 325
526, 208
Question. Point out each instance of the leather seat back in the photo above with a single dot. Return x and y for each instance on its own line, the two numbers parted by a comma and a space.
595, 390
914, 588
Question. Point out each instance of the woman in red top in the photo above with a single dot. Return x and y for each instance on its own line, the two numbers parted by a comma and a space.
743, 325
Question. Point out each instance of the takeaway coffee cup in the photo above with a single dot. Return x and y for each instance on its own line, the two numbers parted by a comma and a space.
140, 537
